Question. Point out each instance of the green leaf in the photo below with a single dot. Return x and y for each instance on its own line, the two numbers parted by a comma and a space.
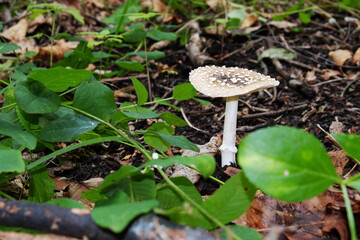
95, 98
230, 201
154, 55
350, 143
286, 163
164, 102
169, 198
24, 138
141, 92
129, 180
184, 91
67, 128
277, 53
136, 35
58, 79
134, 111
33, 97
305, 17
117, 216
11, 161
154, 140
179, 141
172, 119
131, 66
7, 47
203, 102
161, 36
75, 13
205, 164
66, 203
242, 232
354, 182
41, 187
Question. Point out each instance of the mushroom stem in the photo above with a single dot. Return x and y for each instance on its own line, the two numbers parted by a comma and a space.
228, 148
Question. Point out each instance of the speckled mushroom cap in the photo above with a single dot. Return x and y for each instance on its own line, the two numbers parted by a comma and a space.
216, 81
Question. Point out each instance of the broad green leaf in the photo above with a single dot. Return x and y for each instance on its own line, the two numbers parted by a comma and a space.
205, 164
136, 35
278, 53
179, 141
242, 232
129, 180
230, 201
350, 143
11, 161
354, 182
134, 111
172, 119
305, 17
154, 140
141, 92
161, 36
75, 13
58, 79
66, 203
95, 98
41, 187
286, 163
33, 97
67, 128
78, 59
154, 55
20, 136
7, 47
131, 66
117, 216
184, 91
238, 13
169, 198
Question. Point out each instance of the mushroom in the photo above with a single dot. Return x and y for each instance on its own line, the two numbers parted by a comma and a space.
229, 82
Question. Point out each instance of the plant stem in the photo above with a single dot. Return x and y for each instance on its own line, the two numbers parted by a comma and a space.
52, 39
196, 205
130, 140
8, 106
349, 212
147, 71
147, 103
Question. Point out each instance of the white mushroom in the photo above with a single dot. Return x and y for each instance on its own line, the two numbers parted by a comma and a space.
229, 82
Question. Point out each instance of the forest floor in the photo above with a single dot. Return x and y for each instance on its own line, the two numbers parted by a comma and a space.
319, 92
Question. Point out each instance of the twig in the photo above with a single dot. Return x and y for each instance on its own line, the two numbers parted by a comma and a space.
347, 86
190, 125
116, 79
273, 113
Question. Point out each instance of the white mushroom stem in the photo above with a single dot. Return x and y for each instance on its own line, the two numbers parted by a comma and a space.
228, 148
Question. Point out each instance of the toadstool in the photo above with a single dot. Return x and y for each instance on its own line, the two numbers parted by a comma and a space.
229, 82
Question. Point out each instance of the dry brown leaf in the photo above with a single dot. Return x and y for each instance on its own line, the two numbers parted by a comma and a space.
250, 20
27, 45
231, 171
328, 73
167, 12
339, 159
17, 32
310, 76
97, 3
39, 20
159, 45
178, 170
215, 4
337, 222
356, 58
93, 182
59, 49
336, 127
340, 56
61, 183
282, 24
209, 148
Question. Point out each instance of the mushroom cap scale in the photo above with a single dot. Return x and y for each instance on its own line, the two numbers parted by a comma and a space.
216, 81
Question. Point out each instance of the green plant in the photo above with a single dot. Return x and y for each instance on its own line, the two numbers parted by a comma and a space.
53, 10
295, 166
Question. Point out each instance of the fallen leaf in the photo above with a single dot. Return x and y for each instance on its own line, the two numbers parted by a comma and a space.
310, 76
17, 32
215, 5
336, 127
209, 148
328, 73
340, 56
339, 159
282, 24
59, 49
231, 171
93, 182
337, 222
178, 170
250, 20
356, 58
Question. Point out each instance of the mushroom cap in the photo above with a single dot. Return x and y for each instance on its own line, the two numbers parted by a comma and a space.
224, 81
